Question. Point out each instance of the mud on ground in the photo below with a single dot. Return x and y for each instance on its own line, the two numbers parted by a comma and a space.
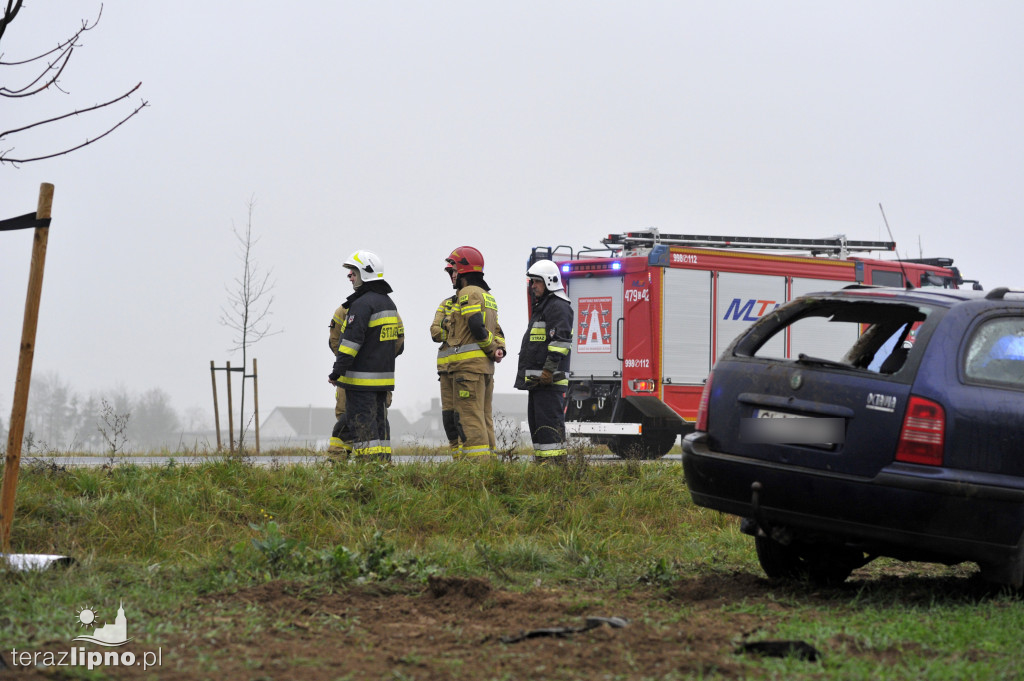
453, 628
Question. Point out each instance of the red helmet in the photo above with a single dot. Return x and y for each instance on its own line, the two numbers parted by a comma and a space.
465, 259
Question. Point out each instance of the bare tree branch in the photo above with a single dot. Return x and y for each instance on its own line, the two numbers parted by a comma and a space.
12, 11
63, 50
14, 161
25, 92
56, 60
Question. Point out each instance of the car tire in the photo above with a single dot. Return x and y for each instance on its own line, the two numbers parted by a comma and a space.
826, 566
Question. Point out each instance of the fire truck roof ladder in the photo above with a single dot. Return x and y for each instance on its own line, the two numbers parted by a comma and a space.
836, 245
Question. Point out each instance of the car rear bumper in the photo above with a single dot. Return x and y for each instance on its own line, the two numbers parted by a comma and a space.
908, 512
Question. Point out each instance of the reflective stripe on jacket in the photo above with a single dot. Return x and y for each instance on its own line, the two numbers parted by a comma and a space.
468, 353
369, 342
547, 344
439, 332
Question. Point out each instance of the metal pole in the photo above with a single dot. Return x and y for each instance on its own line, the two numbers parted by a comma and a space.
256, 405
216, 414
24, 375
231, 416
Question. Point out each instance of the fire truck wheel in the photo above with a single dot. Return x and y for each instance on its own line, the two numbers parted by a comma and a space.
652, 446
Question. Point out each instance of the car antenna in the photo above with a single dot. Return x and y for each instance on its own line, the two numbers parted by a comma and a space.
906, 279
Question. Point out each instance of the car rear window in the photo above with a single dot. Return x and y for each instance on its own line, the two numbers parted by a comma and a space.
995, 353
869, 335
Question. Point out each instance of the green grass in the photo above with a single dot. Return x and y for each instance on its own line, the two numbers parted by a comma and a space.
167, 536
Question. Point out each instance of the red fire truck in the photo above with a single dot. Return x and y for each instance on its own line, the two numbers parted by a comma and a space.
654, 311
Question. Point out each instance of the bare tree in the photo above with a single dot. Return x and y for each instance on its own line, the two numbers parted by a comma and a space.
41, 73
248, 310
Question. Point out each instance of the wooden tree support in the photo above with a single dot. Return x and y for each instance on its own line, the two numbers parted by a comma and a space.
231, 414
41, 223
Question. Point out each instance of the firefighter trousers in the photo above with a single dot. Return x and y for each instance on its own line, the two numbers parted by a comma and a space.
473, 420
339, 402
448, 415
545, 413
363, 428
337, 447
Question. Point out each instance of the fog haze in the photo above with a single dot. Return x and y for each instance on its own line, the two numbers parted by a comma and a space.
411, 128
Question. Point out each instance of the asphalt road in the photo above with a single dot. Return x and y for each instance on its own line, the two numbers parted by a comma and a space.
255, 460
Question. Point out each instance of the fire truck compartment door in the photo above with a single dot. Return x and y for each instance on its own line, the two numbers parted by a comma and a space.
686, 328
816, 336
597, 304
743, 299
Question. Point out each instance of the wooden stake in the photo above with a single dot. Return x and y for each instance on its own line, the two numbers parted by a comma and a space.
24, 375
256, 405
231, 416
216, 414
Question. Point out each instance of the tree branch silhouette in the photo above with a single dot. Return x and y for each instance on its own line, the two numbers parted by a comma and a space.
56, 60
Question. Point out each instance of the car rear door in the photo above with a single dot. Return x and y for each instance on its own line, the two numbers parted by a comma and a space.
984, 394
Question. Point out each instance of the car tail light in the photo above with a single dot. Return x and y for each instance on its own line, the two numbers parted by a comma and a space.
922, 439
702, 408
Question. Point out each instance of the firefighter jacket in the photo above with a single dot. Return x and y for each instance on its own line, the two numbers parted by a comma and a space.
546, 345
439, 331
469, 352
369, 340
338, 323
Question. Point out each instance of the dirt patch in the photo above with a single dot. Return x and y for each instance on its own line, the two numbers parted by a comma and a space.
453, 628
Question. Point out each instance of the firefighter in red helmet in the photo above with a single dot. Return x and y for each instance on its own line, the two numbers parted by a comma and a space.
440, 329
477, 342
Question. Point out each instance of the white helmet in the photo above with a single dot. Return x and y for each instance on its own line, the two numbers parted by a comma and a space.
547, 271
367, 264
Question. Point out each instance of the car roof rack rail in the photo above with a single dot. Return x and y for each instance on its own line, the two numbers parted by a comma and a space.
1000, 292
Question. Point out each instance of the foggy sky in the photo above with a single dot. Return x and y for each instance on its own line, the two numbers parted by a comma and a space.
412, 128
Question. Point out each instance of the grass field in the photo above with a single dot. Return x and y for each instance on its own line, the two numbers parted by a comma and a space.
232, 571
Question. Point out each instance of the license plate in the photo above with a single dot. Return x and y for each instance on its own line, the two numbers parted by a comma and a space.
777, 427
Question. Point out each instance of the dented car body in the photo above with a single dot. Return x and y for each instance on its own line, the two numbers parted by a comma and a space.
871, 422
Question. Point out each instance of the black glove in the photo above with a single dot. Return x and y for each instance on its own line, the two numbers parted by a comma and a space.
545, 377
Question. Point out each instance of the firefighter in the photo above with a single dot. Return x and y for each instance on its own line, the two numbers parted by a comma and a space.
476, 344
439, 333
544, 361
365, 365
338, 448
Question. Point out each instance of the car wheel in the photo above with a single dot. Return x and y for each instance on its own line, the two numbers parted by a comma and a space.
827, 566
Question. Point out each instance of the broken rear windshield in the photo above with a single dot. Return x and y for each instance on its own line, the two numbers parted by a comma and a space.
868, 335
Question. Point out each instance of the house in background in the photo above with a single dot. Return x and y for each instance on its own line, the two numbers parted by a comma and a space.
310, 427
508, 410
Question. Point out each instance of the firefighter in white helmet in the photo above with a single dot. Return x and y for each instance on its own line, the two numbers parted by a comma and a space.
544, 360
365, 365
338, 448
